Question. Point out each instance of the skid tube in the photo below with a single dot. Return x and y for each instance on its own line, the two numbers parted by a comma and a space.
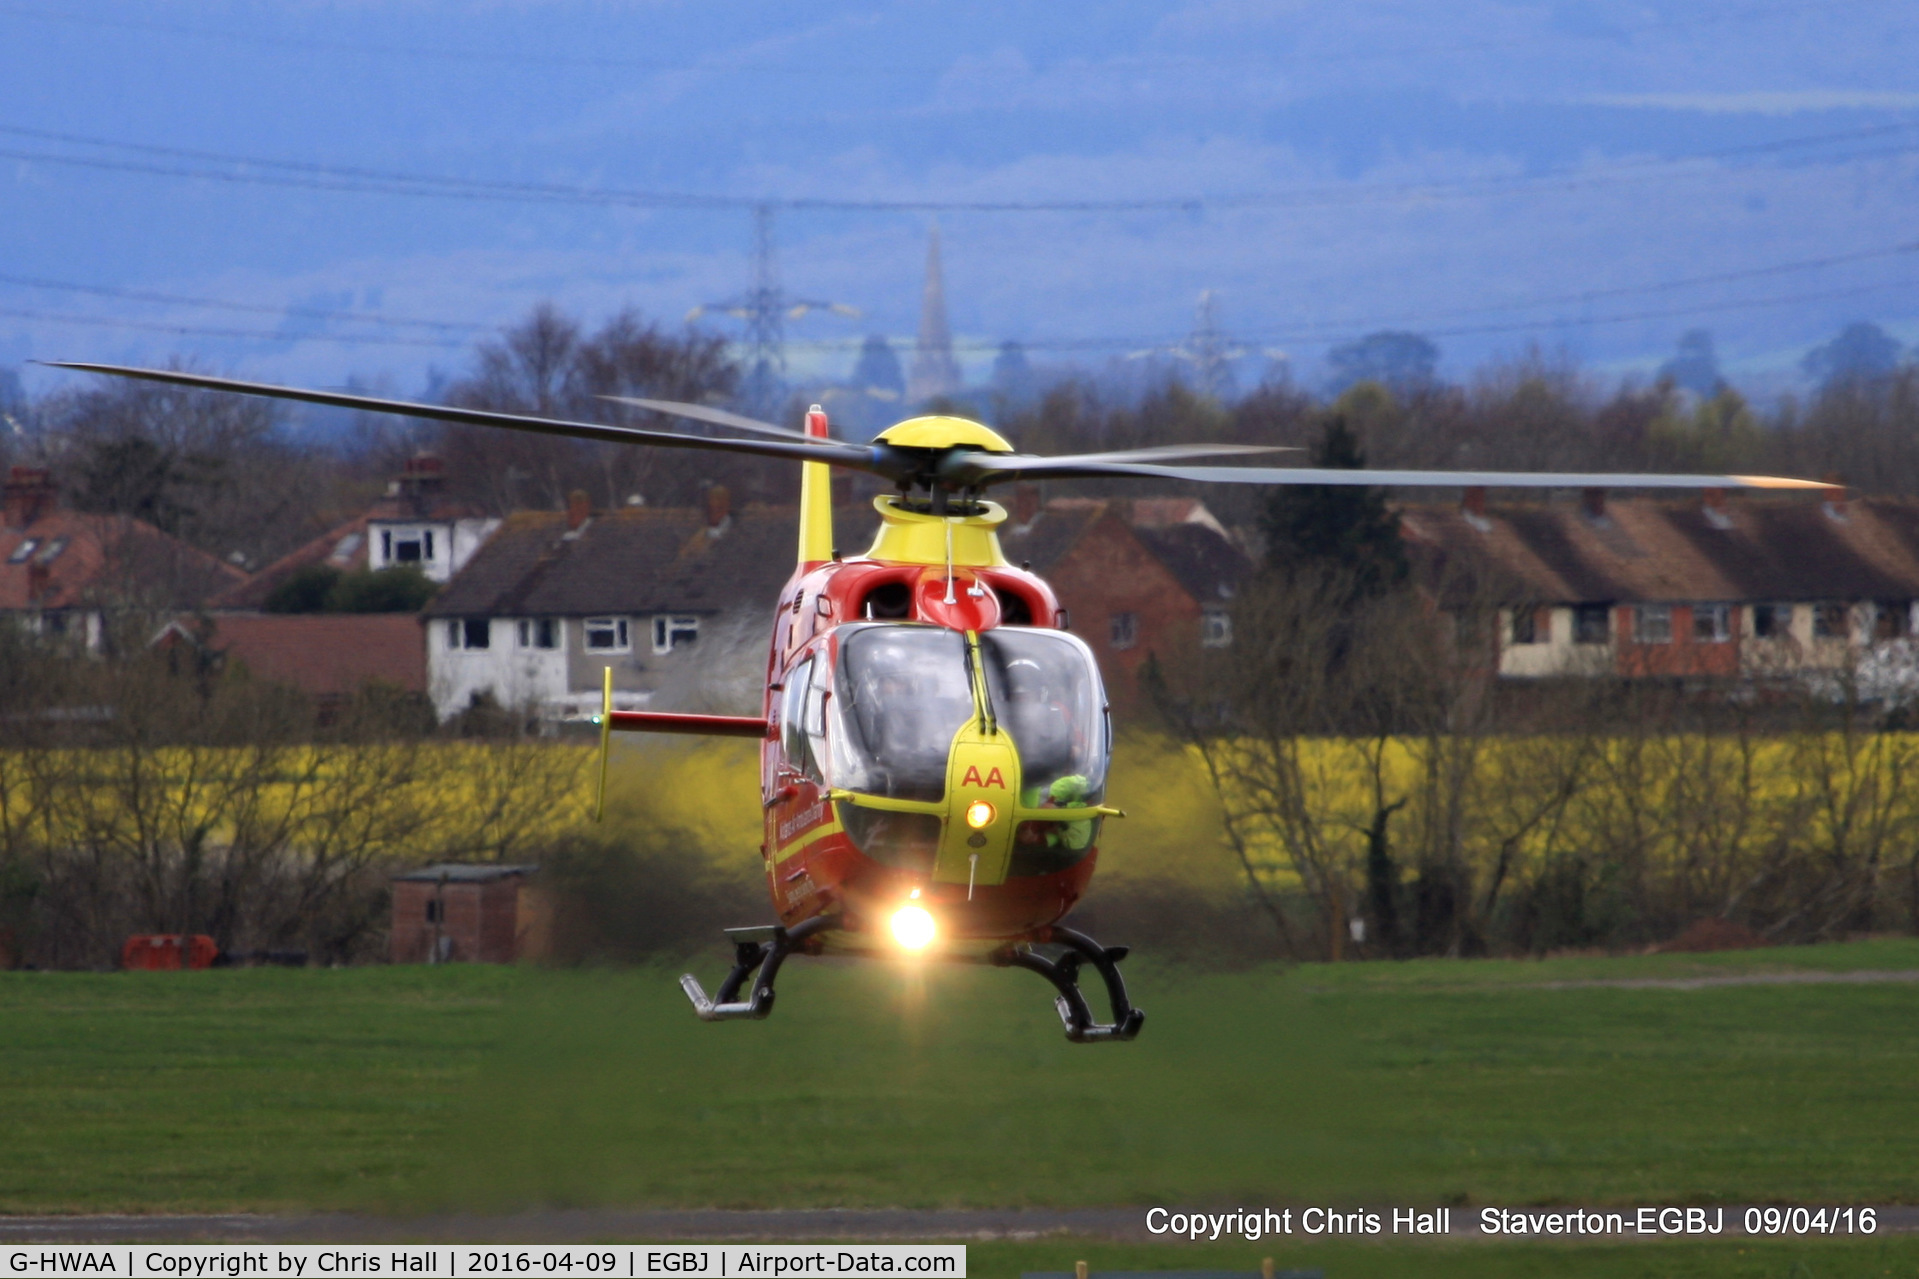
763, 949
759, 953
1063, 972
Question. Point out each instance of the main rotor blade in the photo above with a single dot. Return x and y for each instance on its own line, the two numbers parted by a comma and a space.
1030, 464
850, 456
719, 417
1448, 479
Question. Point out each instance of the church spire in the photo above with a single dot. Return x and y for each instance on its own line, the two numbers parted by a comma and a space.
934, 372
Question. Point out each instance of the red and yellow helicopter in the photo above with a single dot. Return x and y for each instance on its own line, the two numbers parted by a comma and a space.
933, 740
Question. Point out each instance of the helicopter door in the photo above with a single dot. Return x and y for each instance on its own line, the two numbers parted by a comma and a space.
803, 720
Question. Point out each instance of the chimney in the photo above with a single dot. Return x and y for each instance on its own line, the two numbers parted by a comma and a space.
578, 507
1472, 505
1593, 503
719, 508
1025, 504
1836, 497
422, 480
1714, 501
29, 494
39, 578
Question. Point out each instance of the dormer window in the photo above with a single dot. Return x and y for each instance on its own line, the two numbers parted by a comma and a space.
406, 546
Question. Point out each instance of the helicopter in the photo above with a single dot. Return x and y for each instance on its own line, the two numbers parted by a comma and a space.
934, 741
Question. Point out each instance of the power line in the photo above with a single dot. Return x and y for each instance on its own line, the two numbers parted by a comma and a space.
301, 312
867, 68
310, 176
187, 330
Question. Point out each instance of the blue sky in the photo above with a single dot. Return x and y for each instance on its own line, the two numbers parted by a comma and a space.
1589, 177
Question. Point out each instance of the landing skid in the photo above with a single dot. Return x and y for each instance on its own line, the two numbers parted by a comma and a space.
761, 949
758, 954
1063, 972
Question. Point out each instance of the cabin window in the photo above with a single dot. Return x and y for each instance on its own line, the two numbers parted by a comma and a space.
1831, 621
1592, 624
670, 633
1124, 630
802, 720
1215, 629
1711, 623
606, 635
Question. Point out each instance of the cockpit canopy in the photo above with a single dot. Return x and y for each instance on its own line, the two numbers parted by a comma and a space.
903, 691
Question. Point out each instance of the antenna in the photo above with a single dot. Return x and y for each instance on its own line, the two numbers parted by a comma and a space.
765, 308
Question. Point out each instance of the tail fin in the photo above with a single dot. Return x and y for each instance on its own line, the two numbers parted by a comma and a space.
606, 743
816, 500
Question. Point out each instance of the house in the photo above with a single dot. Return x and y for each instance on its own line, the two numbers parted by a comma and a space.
677, 602
72, 575
1140, 578
331, 656
413, 523
454, 913
1708, 588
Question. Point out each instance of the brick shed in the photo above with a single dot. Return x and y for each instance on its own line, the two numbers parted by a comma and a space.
454, 913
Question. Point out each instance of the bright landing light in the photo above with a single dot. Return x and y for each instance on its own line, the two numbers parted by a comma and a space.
912, 927
979, 813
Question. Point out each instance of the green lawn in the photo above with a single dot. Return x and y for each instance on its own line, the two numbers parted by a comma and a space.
417, 1090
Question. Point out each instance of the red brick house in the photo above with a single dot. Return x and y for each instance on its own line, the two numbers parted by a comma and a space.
70, 574
1138, 579
463, 914
1646, 588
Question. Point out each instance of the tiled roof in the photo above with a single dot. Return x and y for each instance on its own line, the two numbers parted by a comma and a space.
1045, 541
344, 547
1643, 549
1209, 566
325, 654
80, 560
634, 561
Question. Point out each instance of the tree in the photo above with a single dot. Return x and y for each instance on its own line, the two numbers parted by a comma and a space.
1863, 352
549, 365
1694, 368
1402, 361
1324, 528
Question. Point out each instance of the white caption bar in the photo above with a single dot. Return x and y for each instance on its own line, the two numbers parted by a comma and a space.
461, 1261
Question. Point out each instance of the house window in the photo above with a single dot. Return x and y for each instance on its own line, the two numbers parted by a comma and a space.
433, 911
24, 551
539, 632
1526, 627
52, 550
475, 632
1215, 629
1125, 630
1892, 619
1652, 624
670, 633
1592, 623
1772, 621
606, 635
1711, 623
1831, 621
408, 546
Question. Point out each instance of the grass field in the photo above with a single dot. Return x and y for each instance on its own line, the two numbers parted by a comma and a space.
417, 1090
